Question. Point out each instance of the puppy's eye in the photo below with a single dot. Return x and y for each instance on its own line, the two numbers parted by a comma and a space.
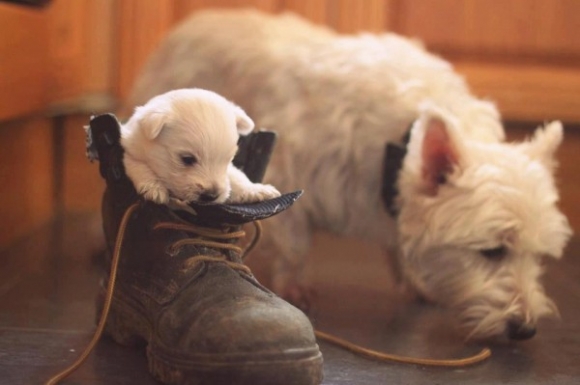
188, 160
496, 254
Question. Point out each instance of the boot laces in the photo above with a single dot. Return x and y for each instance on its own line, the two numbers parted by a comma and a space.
212, 238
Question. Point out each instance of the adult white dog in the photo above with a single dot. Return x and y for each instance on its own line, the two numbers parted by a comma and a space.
474, 215
181, 144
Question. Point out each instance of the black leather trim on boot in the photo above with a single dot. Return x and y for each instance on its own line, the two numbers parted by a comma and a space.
238, 214
254, 152
183, 289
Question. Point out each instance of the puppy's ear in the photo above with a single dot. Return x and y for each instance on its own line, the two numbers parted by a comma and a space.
152, 124
438, 155
544, 144
244, 124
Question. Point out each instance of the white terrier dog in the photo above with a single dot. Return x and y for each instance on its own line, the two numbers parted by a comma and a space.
181, 145
476, 215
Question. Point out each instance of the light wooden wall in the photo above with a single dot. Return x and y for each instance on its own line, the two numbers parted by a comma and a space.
523, 54
77, 57
82, 54
26, 184
23, 53
56, 60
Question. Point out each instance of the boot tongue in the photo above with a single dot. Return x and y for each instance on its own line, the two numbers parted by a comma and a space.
216, 215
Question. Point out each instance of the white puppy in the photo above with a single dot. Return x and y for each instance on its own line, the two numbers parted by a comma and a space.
181, 145
476, 215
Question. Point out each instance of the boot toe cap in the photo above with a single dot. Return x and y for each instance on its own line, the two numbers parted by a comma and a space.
242, 326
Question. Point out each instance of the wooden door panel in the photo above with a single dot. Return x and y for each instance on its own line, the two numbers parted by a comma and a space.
23, 53
494, 27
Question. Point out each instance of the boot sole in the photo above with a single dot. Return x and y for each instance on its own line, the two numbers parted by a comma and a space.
128, 327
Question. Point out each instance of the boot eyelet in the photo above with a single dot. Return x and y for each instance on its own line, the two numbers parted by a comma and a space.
172, 251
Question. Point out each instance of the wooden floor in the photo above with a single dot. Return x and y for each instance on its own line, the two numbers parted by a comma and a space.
49, 281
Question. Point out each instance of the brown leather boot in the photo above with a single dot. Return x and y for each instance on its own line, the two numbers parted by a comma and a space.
183, 289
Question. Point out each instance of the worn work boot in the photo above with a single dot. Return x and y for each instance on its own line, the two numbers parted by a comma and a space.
183, 289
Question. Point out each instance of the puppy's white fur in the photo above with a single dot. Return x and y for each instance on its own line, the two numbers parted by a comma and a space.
181, 145
477, 214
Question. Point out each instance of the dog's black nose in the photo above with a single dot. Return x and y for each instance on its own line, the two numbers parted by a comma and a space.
208, 197
520, 331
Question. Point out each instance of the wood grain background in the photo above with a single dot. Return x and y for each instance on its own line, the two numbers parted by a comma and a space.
77, 57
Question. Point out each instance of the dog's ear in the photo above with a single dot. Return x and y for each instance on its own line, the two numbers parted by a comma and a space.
153, 124
544, 144
438, 155
244, 124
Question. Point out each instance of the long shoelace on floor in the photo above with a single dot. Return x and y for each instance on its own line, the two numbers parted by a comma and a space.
107, 304
189, 263
194, 260
380, 356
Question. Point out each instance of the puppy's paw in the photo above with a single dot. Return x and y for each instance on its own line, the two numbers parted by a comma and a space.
262, 192
155, 192
254, 193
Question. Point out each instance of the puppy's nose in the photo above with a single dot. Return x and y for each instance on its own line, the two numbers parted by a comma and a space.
517, 330
208, 196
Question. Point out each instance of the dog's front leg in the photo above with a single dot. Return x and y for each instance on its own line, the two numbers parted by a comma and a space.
145, 181
399, 282
287, 239
244, 191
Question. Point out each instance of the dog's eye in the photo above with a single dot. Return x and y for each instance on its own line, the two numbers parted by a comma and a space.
497, 253
441, 179
188, 160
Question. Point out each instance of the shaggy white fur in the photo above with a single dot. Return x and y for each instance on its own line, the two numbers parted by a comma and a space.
181, 144
477, 214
